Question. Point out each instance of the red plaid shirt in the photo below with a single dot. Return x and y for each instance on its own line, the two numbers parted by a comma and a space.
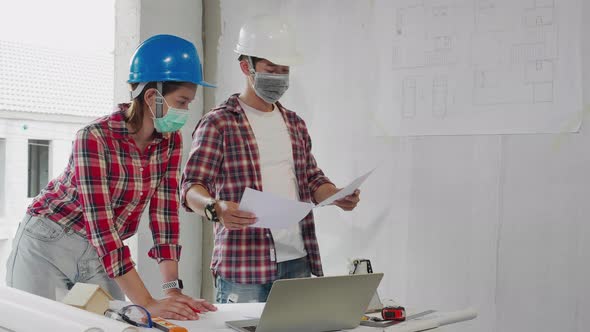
224, 159
106, 186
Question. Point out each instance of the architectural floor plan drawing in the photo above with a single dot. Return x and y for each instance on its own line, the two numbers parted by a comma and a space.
479, 66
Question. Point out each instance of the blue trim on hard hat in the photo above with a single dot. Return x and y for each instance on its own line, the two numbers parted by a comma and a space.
164, 58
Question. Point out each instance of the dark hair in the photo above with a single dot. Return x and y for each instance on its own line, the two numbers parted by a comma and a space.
134, 115
254, 59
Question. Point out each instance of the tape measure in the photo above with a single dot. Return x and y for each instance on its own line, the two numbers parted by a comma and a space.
397, 313
166, 326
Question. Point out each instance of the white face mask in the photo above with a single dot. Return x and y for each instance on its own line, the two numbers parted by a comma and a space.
269, 87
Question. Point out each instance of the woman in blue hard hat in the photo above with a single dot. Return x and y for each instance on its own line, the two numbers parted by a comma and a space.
74, 229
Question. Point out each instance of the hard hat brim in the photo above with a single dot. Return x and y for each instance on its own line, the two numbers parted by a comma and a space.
206, 84
147, 79
295, 59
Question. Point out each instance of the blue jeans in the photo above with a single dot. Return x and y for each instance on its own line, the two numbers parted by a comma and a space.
231, 292
47, 259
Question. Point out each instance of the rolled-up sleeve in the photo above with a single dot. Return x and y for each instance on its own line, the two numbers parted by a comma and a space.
204, 159
91, 174
164, 222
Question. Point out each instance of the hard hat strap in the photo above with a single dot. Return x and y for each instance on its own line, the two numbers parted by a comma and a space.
159, 101
251, 68
137, 91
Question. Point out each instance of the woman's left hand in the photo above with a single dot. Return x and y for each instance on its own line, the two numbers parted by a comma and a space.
199, 305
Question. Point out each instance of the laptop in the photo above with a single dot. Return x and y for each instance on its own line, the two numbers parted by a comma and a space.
314, 304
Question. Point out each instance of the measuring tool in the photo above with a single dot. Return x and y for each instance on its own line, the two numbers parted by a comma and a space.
397, 313
380, 322
166, 326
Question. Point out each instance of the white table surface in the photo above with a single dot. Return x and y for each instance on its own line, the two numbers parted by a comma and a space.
215, 321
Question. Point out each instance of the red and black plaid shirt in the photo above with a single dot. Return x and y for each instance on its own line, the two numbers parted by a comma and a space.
225, 160
106, 186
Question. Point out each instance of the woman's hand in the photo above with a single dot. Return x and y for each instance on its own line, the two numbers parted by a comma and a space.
179, 307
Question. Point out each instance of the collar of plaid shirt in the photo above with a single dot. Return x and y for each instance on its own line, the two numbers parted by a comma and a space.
118, 125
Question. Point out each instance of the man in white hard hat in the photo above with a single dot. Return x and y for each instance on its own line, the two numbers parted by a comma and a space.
252, 141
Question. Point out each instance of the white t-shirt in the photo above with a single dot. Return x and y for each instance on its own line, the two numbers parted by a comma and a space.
278, 174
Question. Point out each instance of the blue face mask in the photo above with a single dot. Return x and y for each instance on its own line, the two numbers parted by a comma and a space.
174, 119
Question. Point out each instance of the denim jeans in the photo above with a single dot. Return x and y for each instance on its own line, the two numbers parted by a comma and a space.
47, 259
231, 292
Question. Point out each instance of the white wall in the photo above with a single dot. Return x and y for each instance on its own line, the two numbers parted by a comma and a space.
135, 22
15, 183
2, 176
494, 222
16, 129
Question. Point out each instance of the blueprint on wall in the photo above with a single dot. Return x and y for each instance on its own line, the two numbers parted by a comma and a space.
478, 67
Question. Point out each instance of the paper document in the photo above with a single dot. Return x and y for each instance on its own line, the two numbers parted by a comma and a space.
413, 326
433, 320
273, 211
276, 212
22, 311
354, 185
446, 318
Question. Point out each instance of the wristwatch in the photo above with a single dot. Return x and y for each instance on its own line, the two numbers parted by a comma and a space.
210, 211
172, 284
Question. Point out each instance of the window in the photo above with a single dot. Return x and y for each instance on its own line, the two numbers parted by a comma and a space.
38, 166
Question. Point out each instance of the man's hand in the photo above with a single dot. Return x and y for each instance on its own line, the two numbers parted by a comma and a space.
348, 203
232, 217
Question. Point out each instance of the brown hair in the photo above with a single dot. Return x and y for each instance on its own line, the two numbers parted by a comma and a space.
134, 115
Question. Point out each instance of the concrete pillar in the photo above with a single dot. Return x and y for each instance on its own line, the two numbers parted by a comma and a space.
136, 21
127, 15
212, 32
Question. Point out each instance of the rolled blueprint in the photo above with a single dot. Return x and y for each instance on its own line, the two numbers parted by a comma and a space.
24, 312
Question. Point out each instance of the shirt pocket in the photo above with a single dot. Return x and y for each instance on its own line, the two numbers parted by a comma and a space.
236, 150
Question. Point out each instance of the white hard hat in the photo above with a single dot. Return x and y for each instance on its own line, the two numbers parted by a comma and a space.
268, 37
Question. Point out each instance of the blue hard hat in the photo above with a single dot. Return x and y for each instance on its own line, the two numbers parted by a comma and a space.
163, 58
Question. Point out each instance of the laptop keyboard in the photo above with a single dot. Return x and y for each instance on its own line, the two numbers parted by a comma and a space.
249, 328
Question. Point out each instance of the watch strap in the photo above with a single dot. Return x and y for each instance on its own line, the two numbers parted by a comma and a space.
210, 211
172, 285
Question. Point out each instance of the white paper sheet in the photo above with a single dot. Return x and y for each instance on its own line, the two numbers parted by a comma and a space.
446, 318
413, 326
272, 211
276, 212
25, 312
354, 185
498, 67
215, 321
433, 320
